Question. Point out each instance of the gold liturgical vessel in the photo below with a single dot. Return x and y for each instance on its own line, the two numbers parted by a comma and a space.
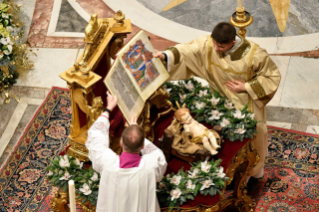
241, 19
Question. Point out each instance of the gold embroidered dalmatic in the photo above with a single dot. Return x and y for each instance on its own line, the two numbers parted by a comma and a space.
246, 62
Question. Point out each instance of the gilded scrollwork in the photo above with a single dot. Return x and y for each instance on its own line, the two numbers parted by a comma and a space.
60, 201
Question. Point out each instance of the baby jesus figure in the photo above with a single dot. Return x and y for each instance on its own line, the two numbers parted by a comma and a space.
199, 134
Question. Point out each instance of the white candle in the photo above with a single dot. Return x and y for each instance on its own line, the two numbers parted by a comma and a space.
240, 4
72, 196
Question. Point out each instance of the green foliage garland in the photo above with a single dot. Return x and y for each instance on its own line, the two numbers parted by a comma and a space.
213, 108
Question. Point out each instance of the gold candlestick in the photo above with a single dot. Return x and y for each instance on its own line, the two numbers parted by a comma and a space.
241, 19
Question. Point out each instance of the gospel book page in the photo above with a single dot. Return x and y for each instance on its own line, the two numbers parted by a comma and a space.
146, 72
119, 84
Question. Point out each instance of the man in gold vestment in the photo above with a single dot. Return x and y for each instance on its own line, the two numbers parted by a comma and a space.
239, 69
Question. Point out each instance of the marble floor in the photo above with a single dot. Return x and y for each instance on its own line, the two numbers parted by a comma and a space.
56, 28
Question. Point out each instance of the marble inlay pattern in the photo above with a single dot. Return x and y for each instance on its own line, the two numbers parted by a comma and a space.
38, 31
40, 24
69, 20
205, 14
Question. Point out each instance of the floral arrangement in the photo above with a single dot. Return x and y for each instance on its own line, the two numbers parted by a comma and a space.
213, 108
203, 177
65, 168
87, 184
14, 55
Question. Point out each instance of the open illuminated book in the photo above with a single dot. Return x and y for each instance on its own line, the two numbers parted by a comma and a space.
135, 75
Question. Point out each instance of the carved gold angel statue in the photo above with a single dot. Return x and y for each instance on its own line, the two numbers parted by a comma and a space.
191, 136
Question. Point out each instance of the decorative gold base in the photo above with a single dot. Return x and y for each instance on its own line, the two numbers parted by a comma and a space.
59, 203
241, 19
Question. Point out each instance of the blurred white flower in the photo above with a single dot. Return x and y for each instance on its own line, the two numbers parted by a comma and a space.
200, 105
221, 173
228, 104
189, 85
215, 101
238, 114
251, 115
168, 90
95, 177
50, 173
77, 161
202, 93
190, 185
224, 122
175, 194
205, 166
176, 179
206, 184
64, 161
5, 15
215, 115
240, 130
85, 189
194, 173
182, 97
66, 176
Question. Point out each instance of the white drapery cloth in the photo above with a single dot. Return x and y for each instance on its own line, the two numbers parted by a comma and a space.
129, 189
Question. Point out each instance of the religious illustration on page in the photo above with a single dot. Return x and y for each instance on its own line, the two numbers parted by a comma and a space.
135, 75
138, 60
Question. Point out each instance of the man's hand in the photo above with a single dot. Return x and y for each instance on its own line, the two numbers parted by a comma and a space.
236, 86
159, 55
111, 101
133, 120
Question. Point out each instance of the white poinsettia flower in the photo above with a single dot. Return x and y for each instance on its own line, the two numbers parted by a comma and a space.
6, 52
202, 93
66, 176
215, 101
10, 28
50, 173
221, 173
194, 173
168, 91
9, 41
168, 176
228, 104
189, 85
77, 162
225, 122
251, 115
9, 48
240, 130
200, 105
238, 114
205, 166
190, 185
95, 177
215, 115
4, 41
182, 97
207, 184
86, 189
175, 194
64, 161
176, 179
5, 15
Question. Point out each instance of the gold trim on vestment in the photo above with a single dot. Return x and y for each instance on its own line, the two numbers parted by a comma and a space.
250, 75
257, 88
241, 51
175, 53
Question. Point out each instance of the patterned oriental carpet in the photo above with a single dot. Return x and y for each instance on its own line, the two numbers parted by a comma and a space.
291, 181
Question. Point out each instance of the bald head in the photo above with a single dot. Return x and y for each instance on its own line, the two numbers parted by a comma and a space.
133, 138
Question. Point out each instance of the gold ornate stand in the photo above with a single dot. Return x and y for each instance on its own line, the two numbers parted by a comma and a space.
241, 19
104, 37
